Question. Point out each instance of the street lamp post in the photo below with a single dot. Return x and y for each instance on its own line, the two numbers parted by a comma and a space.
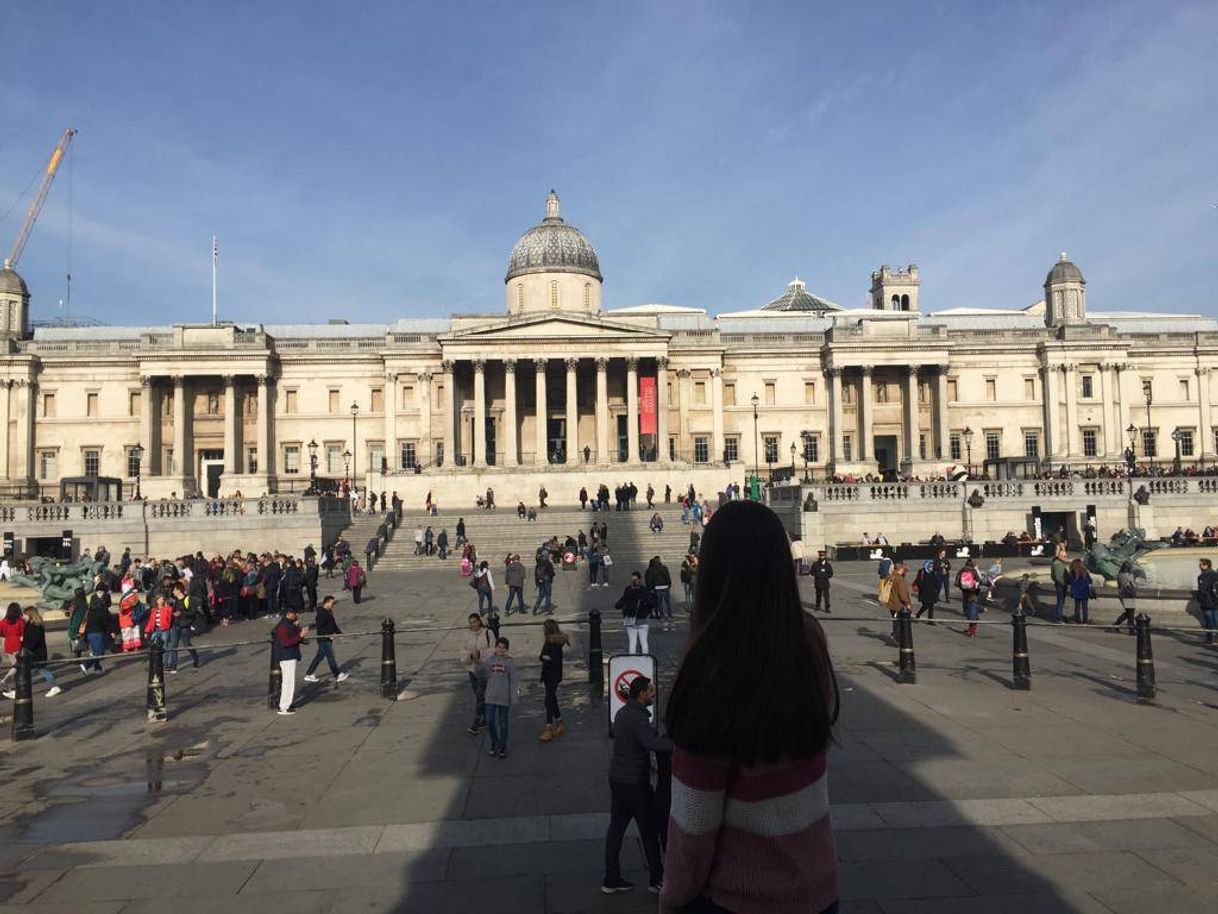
968, 444
347, 466
756, 401
793, 450
312, 466
138, 451
1146, 389
1131, 456
807, 478
1175, 463
354, 416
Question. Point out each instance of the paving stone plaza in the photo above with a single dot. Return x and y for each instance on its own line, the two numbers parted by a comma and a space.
956, 794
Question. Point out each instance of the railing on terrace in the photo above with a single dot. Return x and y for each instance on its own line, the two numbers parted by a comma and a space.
270, 505
1003, 489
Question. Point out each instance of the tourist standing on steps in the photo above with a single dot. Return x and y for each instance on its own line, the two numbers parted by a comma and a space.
356, 579
327, 628
1207, 598
554, 640
289, 635
583, 498
630, 792
822, 572
513, 577
477, 645
543, 577
442, 543
636, 606
500, 672
749, 627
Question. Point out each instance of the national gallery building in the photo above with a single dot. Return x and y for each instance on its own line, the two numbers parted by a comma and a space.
554, 390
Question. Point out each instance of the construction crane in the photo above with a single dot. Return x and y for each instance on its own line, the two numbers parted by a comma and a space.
44, 188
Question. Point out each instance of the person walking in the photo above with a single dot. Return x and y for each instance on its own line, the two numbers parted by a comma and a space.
12, 628
636, 605
968, 582
899, 597
749, 627
442, 543
34, 640
1207, 598
630, 793
543, 577
1082, 590
797, 554
289, 634
658, 581
822, 572
929, 583
356, 579
689, 578
513, 577
1127, 596
476, 646
326, 630
554, 640
1059, 572
484, 585
185, 617
499, 671
97, 628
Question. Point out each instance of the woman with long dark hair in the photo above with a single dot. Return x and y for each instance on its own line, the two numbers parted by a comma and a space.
750, 716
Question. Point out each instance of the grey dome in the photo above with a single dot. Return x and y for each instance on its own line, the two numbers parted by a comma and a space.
553, 246
798, 298
1065, 271
11, 281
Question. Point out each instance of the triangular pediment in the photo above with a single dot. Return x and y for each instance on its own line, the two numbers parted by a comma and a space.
555, 327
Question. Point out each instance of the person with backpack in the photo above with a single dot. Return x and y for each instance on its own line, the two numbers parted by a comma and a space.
1127, 593
658, 581
356, 579
594, 563
636, 605
822, 572
543, 577
1081, 589
968, 582
483, 584
553, 643
1207, 598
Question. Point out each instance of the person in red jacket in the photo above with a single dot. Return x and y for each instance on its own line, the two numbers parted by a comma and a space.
289, 634
12, 627
160, 621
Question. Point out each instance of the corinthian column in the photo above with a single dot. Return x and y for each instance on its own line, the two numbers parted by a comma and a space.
510, 446
572, 445
602, 410
479, 413
231, 463
632, 410
662, 411
540, 445
390, 400
450, 413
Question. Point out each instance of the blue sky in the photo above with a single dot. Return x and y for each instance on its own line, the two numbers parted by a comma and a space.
378, 160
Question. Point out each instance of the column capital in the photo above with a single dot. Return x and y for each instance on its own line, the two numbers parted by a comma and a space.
866, 370
1203, 370
391, 377
145, 381
912, 370
602, 364
424, 376
662, 362
572, 364
509, 365
832, 372
229, 380
179, 381
479, 366
632, 363
447, 366
683, 372
716, 372
539, 363
262, 379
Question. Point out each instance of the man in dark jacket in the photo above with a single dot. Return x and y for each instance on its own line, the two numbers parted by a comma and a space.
371, 551
630, 786
310, 581
658, 581
293, 585
1207, 598
543, 577
513, 576
327, 628
821, 572
271, 576
289, 634
636, 605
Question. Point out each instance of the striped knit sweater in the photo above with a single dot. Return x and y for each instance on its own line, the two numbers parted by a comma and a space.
750, 839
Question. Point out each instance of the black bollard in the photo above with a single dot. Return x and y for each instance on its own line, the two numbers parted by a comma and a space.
908, 674
1021, 679
1146, 660
596, 653
23, 703
156, 684
389, 661
274, 683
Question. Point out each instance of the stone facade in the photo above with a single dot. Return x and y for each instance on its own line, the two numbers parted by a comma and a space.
550, 390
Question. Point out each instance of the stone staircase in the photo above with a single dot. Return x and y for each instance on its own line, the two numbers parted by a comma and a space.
499, 532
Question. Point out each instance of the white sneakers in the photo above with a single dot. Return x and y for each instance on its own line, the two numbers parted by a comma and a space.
342, 677
310, 678
53, 691
11, 694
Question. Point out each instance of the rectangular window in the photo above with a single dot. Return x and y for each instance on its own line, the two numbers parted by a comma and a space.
135, 400
991, 389
378, 403
771, 448
847, 448
672, 447
809, 392
46, 466
408, 395
1183, 388
701, 449
334, 459
1186, 442
953, 445
1148, 443
91, 405
1029, 388
291, 459
921, 445
170, 466
1031, 444
1090, 448
812, 448
409, 455
48, 406
167, 405
729, 394
731, 449
770, 393
953, 390
1215, 432
993, 445
333, 402
700, 392
376, 453
133, 462
289, 403
1088, 387
91, 459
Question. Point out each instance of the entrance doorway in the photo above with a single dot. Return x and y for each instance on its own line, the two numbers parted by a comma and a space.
886, 452
556, 440
623, 439
211, 468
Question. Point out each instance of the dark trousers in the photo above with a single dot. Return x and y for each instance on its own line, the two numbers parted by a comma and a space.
552, 712
324, 649
514, 593
928, 608
822, 593
312, 591
632, 801
357, 592
1127, 613
478, 684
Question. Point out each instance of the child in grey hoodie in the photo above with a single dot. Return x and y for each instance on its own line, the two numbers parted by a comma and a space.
499, 670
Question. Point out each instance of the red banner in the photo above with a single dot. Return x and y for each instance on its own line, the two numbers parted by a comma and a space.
647, 406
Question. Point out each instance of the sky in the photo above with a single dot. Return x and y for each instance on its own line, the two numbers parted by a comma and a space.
377, 161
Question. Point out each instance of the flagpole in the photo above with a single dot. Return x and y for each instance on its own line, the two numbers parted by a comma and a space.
215, 261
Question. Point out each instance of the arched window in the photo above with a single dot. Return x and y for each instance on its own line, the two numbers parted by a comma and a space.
554, 293
587, 296
904, 302
519, 296
896, 303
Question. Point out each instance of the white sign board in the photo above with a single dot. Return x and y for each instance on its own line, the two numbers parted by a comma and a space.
623, 670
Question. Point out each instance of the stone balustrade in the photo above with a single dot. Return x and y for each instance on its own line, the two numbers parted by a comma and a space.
1000, 490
